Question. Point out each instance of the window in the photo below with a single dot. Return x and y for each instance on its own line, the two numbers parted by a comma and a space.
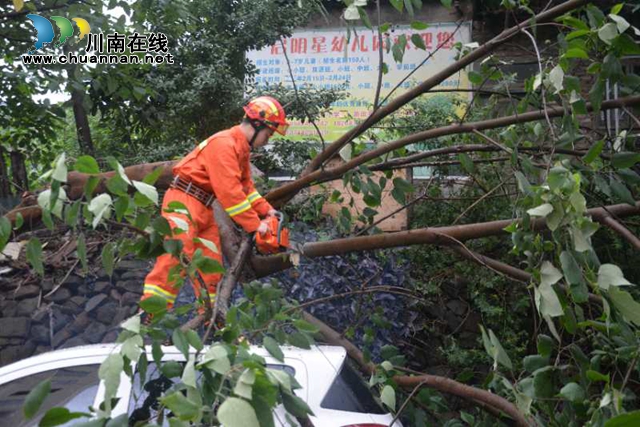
349, 393
143, 404
73, 388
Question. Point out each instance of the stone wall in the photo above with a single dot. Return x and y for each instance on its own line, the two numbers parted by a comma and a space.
82, 310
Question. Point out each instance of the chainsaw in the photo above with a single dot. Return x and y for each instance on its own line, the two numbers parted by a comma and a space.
276, 239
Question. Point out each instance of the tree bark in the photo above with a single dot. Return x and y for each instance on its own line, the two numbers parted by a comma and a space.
5, 188
82, 122
19, 171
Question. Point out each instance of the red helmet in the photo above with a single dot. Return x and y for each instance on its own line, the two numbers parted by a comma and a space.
267, 110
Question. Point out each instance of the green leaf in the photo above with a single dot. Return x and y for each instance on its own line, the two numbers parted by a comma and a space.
117, 185
243, 390
419, 25
131, 348
625, 304
60, 169
546, 298
608, 32
235, 412
388, 397
534, 362
149, 191
109, 372
541, 211
500, 355
132, 324
154, 304
108, 257
298, 339
446, 3
34, 399
545, 345
576, 53
398, 4
595, 376
118, 168
576, 34
573, 274
153, 176
19, 221
34, 255
615, 10
5, 232
99, 207
58, 416
403, 184
90, 186
573, 392
171, 369
475, 77
418, 41
467, 163
119, 421
86, 164
621, 23
556, 77
303, 325
184, 408
273, 348
295, 406
622, 192
570, 268
629, 176
596, 95
523, 183
189, 375
630, 419
194, 339
625, 160
575, 23
180, 341
593, 152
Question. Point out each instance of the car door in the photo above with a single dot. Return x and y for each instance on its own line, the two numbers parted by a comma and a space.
74, 385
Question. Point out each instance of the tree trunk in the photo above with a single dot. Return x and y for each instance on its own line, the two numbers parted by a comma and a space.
5, 188
19, 171
82, 122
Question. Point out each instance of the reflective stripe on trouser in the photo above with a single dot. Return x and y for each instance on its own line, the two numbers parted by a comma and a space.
203, 226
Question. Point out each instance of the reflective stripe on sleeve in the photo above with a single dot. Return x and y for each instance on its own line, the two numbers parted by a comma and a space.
239, 208
253, 197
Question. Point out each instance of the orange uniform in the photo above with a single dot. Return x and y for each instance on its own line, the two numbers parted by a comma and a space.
220, 165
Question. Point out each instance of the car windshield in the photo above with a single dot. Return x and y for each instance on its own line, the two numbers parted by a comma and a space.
73, 388
143, 404
350, 393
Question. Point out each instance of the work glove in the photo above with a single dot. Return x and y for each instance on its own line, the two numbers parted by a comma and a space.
263, 228
272, 212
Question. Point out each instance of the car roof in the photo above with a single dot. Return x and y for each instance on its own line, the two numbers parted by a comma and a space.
316, 356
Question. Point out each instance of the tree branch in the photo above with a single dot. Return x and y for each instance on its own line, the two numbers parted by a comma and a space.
623, 231
280, 195
442, 384
434, 80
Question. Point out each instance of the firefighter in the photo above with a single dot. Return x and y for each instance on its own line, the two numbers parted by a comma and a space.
217, 169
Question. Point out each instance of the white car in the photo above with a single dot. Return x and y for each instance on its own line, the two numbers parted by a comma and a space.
333, 390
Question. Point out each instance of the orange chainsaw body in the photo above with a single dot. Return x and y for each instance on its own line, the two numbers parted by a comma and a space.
274, 240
